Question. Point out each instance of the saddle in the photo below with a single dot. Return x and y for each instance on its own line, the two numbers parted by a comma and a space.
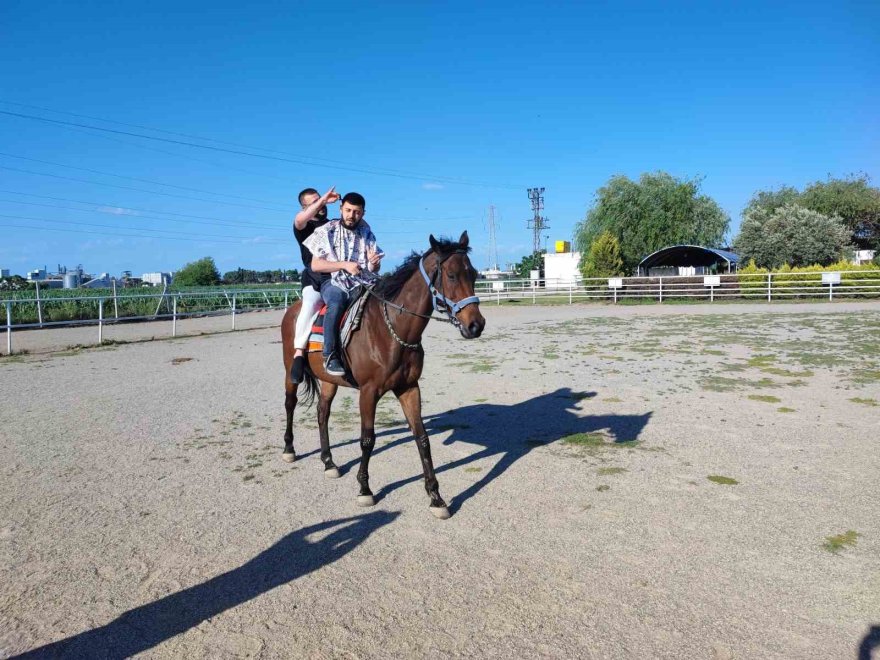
351, 321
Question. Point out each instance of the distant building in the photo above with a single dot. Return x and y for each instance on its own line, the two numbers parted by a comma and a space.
157, 279
103, 281
36, 275
4, 272
688, 260
863, 256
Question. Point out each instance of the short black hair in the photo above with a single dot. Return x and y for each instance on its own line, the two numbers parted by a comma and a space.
355, 199
307, 191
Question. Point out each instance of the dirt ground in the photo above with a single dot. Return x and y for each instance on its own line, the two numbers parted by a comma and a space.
651, 482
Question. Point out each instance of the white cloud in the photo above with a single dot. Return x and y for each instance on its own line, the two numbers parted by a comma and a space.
116, 210
432, 186
255, 240
102, 243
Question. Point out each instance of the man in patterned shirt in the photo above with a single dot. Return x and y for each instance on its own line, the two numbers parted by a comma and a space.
346, 248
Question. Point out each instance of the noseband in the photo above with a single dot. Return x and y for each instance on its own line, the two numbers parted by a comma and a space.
440, 302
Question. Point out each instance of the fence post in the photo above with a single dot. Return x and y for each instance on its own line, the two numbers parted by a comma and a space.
769, 286
661, 289
233, 311
39, 306
831, 291
115, 303
285, 300
100, 320
8, 327
174, 316
711, 293
569, 292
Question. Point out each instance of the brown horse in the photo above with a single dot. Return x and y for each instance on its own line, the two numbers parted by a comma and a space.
386, 354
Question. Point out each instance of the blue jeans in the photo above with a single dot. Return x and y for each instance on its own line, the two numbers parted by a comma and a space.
337, 301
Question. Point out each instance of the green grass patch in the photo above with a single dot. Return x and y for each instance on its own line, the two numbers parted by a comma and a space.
603, 488
783, 409
766, 398
610, 470
473, 469
719, 479
865, 402
834, 544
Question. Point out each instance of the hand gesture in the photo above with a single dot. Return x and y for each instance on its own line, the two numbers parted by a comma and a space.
374, 257
331, 196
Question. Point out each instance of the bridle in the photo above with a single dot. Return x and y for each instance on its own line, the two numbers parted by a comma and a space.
439, 301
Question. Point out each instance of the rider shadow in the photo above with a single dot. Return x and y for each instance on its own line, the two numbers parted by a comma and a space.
509, 432
292, 557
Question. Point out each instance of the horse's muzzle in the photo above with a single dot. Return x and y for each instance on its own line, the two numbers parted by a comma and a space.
473, 329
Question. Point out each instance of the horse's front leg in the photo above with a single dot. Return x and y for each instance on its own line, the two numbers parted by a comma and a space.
328, 391
368, 402
411, 402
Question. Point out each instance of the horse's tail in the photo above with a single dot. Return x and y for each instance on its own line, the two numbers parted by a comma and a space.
311, 386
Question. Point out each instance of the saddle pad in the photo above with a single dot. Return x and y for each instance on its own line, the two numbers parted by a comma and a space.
351, 321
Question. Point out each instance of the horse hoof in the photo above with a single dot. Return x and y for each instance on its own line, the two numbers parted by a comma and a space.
288, 457
332, 473
366, 500
440, 512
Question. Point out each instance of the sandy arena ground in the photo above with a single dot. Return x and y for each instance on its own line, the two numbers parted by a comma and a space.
144, 508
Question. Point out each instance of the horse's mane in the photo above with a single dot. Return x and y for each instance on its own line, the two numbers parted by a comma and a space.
389, 285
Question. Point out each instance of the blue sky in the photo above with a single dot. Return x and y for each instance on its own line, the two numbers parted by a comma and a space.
432, 111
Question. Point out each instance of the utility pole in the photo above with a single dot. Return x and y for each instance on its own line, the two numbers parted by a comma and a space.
538, 223
493, 244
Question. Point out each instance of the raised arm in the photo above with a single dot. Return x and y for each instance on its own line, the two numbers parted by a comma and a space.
302, 218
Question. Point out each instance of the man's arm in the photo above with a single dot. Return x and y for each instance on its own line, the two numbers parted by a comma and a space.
302, 218
321, 265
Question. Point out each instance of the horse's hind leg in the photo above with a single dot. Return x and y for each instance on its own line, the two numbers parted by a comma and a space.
411, 402
328, 391
290, 400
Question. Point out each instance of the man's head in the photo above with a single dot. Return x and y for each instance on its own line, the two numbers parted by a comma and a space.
353, 206
308, 197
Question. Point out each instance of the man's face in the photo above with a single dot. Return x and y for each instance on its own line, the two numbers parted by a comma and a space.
352, 215
310, 199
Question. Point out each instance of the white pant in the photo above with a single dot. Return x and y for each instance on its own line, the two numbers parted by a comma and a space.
311, 303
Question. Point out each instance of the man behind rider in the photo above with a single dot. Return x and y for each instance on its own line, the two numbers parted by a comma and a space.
312, 214
346, 248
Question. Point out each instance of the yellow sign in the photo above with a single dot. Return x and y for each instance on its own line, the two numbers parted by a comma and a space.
563, 246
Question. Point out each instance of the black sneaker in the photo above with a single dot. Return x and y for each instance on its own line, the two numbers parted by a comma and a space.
333, 366
296, 371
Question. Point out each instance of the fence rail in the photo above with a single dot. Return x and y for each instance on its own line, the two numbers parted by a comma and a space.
101, 310
42, 311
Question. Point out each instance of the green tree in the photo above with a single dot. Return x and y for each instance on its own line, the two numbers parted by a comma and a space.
791, 235
852, 199
604, 258
654, 212
528, 263
198, 273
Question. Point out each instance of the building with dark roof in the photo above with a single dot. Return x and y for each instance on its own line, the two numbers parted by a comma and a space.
688, 260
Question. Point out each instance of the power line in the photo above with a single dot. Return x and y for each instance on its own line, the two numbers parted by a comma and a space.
299, 160
151, 192
133, 178
117, 234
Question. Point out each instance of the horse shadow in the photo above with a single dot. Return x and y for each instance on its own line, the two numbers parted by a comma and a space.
292, 557
507, 432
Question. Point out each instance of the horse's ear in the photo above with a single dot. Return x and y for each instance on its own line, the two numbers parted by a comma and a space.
463, 241
433, 242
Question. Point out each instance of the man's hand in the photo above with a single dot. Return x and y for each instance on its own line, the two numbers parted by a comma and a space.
330, 197
351, 267
374, 258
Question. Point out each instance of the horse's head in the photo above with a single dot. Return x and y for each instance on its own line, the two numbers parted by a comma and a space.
453, 281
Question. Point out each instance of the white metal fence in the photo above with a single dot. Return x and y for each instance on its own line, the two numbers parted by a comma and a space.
102, 310
762, 286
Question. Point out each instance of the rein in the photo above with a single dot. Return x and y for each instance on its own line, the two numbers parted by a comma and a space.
439, 302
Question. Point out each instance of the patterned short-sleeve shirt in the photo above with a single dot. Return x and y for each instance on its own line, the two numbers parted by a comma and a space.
336, 242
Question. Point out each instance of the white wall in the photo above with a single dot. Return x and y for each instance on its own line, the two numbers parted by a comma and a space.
561, 270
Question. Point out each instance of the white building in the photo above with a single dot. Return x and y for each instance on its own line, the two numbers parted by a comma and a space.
36, 275
863, 256
103, 281
157, 279
561, 270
